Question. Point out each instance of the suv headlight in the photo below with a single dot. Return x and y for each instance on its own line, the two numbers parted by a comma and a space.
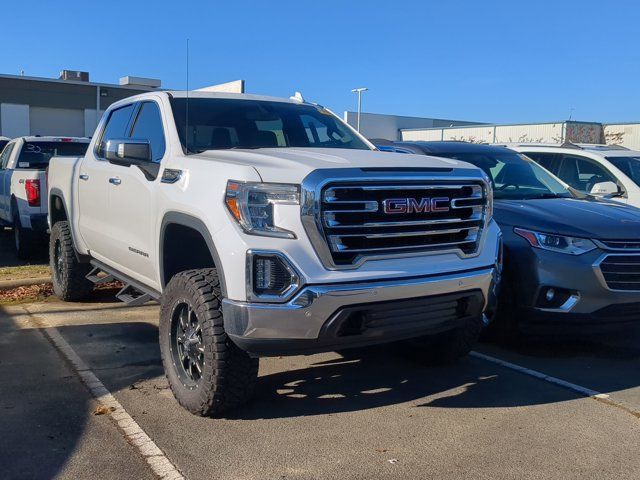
556, 243
252, 205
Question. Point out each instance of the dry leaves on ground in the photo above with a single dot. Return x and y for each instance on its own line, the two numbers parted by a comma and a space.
103, 410
28, 292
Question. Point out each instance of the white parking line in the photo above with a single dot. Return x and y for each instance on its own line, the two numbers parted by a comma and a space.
158, 462
542, 376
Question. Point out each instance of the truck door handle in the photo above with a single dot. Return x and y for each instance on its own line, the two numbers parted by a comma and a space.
115, 181
84, 176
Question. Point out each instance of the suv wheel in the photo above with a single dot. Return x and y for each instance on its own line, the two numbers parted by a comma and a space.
69, 275
208, 374
446, 347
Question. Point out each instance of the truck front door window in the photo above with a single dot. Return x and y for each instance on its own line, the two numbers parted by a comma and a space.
148, 126
116, 126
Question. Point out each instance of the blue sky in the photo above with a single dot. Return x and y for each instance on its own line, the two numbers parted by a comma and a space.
494, 61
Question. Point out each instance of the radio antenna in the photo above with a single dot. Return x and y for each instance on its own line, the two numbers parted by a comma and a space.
187, 105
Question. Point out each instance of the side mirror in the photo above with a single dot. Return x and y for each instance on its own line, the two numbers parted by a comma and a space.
127, 151
605, 189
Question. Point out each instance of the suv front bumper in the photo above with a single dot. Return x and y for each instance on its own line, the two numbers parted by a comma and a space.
330, 317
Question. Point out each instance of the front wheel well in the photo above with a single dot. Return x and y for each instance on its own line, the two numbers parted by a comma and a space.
183, 248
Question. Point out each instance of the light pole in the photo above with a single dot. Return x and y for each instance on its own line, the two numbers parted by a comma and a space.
359, 92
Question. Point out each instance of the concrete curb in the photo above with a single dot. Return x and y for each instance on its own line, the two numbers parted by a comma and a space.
23, 282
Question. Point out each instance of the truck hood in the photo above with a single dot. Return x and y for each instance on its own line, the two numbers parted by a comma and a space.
599, 219
292, 165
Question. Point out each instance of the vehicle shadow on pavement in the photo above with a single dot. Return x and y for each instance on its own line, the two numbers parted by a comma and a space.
380, 377
46, 413
620, 347
125, 354
8, 256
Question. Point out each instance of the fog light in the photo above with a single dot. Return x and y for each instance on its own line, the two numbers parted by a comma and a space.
550, 294
554, 297
271, 277
264, 278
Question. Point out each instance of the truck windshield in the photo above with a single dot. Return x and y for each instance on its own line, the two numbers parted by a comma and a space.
217, 123
514, 176
630, 166
36, 155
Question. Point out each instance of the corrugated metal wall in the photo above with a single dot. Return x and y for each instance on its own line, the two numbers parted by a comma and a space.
625, 134
544, 132
426, 135
579, 132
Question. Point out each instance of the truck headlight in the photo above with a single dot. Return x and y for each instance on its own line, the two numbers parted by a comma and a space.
252, 205
556, 243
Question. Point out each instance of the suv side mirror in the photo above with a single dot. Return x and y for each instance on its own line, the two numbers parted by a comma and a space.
127, 151
605, 189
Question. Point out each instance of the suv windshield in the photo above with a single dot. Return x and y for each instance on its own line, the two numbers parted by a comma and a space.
630, 166
217, 123
514, 176
37, 154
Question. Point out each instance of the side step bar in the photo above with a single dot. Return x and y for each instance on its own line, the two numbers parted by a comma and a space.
133, 293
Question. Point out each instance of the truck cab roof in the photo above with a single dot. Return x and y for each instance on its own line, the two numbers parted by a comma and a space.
201, 94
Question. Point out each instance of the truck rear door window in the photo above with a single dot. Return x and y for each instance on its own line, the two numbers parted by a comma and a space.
36, 155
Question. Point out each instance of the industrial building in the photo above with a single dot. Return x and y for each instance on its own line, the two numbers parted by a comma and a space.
68, 106
389, 127
623, 134
552, 132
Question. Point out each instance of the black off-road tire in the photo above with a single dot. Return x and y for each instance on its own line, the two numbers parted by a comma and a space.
447, 347
68, 274
228, 374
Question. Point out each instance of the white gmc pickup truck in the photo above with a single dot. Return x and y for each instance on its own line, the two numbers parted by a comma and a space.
267, 226
23, 163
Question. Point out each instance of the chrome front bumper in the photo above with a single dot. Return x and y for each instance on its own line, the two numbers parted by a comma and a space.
298, 325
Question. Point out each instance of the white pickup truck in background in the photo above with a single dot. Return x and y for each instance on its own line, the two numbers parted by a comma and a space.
267, 226
23, 206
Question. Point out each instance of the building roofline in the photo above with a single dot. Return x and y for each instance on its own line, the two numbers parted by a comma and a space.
502, 125
414, 118
76, 82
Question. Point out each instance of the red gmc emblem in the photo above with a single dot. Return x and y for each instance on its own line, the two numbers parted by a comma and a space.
415, 205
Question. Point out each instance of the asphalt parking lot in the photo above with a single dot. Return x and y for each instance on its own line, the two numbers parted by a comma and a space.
370, 414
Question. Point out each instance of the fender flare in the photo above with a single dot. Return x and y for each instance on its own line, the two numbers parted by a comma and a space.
186, 220
56, 192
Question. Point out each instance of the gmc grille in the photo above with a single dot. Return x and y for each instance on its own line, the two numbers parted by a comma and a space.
419, 217
621, 272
